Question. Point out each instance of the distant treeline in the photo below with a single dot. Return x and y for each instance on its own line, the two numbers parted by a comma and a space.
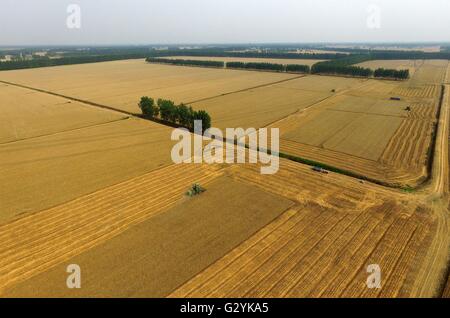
186, 62
256, 66
280, 54
249, 54
345, 66
294, 68
168, 111
390, 73
377, 54
330, 68
44, 62
297, 68
413, 55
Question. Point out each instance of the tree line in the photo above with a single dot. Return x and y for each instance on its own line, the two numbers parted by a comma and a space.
297, 68
294, 68
377, 54
168, 111
390, 73
256, 66
186, 62
228, 52
45, 62
345, 66
330, 68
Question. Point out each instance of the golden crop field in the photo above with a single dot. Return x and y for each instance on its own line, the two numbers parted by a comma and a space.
96, 187
361, 130
121, 84
410, 65
317, 226
248, 60
45, 171
162, 249
25, 114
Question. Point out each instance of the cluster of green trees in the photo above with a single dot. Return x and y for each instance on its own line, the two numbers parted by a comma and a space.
391, 73
343, 66
168, 111
186, 62
409, 55
297, 68
294, 68
333, 68
377, 54
257, 66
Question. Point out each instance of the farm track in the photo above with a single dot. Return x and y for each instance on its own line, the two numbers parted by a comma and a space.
411, 141
437, 195
36, 242
384, 173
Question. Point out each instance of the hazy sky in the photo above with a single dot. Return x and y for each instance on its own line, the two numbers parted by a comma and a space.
43, 22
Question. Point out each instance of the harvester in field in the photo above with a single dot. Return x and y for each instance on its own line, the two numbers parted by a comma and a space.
196, 189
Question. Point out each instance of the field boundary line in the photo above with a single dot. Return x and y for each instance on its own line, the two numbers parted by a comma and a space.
65, 131
308, 108
70, 98
438, 191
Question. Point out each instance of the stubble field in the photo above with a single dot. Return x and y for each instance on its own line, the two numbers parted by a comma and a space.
26, 114
322, 233
87, 194
120, 84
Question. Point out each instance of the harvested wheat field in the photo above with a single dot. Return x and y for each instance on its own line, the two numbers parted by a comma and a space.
42, 172
26, 114
360, 129
157, 254
446, 293
322, 247
94, 187
410, 65
322, 232
247, 60
55, 235
260, 107
121, 84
